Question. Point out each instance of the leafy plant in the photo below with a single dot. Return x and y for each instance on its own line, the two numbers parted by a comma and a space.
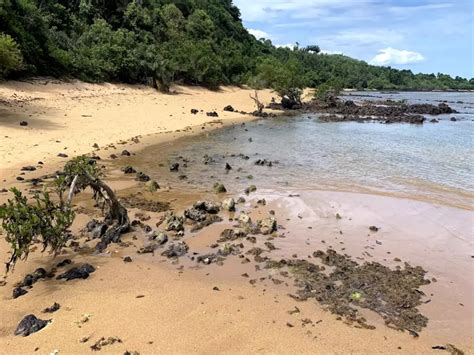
10, 55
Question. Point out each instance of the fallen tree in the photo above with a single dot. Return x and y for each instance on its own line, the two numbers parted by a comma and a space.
48, 220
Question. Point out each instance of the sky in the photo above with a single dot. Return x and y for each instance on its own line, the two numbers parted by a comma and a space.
428, 36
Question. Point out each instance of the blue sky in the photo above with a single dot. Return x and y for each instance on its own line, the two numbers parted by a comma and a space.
427, 36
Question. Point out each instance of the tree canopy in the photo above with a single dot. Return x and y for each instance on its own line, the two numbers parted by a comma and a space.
159, 42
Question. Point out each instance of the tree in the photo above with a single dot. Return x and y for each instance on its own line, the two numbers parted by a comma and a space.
49, 220
10, 55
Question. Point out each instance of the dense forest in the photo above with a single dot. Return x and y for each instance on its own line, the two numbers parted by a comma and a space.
160, 42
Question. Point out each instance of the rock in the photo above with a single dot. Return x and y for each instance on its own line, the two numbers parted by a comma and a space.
62, 155
18, 292
434, 120
194, 111
228, 204
268, 225
81, 272
127, 259
195, 214
244, 219
373, 229
96, 228
125, 153
262, 202
241, 200
152, 186
207, 206
264, 162
96, 146
453, 119
288, 104
227, 166
128, 170
176, 250
174, 167
28, 168
64, 263
161, 238
142, 177
23, 123
29, 325
212, 114
173, 223
148, 248
228, 235
229, 108
56, 306
219, 188
113, 156
251, 188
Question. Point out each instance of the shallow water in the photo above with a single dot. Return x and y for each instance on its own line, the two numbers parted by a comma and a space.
430, 162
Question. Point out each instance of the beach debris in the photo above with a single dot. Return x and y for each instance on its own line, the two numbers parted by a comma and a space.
56, 306
219, 188
212, 114
29, 325
99, 344
229, 108
80, 272
449, 348
194, 111
84, 319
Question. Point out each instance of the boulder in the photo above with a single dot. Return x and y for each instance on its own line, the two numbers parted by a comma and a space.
29, 325
81, 272
268, 225
228, 204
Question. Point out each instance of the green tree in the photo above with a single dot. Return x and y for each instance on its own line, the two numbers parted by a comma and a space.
10, 55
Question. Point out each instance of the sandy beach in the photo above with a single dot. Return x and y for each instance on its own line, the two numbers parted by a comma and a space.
157, 305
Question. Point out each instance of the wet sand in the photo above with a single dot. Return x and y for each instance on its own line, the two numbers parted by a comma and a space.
180, 312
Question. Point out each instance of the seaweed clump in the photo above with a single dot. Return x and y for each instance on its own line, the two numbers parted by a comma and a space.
346, 286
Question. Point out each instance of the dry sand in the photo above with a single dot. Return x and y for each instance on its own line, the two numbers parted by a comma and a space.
180, 312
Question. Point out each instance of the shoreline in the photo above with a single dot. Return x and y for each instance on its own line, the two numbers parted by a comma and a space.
179, 298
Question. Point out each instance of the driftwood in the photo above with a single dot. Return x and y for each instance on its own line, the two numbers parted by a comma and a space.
258, 103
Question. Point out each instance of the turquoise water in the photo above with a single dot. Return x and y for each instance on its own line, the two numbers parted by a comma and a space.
432, 162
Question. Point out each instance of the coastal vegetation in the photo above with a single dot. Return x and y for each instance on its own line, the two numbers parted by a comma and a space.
160, 42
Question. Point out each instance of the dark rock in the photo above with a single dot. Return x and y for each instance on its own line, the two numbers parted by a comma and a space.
125, 153
128, 170
127, 259
264, 162
288, 104
64, 263
28, 168
374, 229
453, 119
229, 108
227, 166
23, 123
18, 292
194, 111
29, 325
434, 120
19, 178
62, 155
96, 228
56, 306
81, 272
251, 188
140, 176
113, 156
174, 167
212, 114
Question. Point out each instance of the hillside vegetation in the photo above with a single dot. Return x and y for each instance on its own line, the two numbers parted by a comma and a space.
159, 42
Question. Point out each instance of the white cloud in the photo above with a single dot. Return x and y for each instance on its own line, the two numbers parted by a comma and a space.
288, 45
259, 33
396, 56
323, 51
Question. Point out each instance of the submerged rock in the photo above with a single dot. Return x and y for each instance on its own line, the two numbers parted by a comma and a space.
29, 325
142, 177
195, 214
219, 188
152, 186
